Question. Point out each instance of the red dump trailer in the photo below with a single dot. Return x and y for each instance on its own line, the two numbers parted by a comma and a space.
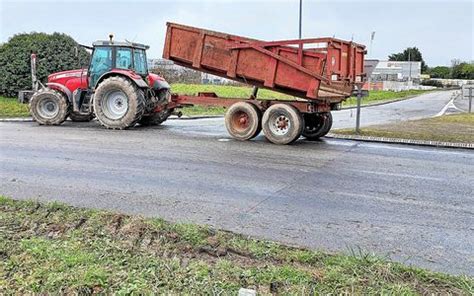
319, 72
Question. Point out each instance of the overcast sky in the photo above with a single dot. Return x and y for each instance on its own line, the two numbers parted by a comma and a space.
442, 30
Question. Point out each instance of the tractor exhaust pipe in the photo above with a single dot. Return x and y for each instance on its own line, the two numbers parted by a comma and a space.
34, 79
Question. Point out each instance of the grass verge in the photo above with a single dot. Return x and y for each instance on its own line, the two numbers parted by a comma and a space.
382, 96
9, 107
456, 128
54, 248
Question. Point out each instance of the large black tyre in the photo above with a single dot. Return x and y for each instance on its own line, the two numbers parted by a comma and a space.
80, 117
243, 121
282, 124
156, 118
316, 125
118, 103
49, 107
327, 124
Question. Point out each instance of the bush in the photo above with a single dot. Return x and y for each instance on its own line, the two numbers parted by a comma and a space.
434, 83
55, 52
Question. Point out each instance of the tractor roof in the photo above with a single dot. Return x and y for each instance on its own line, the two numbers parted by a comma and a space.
121, 44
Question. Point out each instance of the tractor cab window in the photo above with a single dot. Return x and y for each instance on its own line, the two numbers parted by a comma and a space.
101, 62
139, 59
124, 58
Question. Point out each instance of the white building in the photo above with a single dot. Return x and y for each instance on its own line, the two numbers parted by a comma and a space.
396, 71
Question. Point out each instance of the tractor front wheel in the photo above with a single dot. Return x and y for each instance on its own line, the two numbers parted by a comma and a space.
49, 107
118, 103
156, 118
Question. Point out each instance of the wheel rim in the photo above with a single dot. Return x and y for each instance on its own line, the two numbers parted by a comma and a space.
48, 108
240, 121
280, 124
115, 104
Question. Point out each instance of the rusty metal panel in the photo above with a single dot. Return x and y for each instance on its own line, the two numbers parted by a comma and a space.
323, 69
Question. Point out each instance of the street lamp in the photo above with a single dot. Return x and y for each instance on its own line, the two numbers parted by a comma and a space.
372, 36
301, 12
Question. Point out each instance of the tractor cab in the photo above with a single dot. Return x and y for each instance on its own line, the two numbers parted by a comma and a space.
111, 56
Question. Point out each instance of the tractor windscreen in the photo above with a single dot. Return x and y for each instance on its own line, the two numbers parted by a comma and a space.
140, 61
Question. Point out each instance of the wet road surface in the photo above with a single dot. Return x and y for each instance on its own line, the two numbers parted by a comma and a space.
412, 204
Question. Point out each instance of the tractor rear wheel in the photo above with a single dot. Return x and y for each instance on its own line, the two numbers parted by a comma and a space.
49, 107
282, 124
316, 125
76, 117
156, 118
243, 121
118, 103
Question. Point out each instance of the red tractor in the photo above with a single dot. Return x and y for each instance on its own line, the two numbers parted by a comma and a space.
116, 88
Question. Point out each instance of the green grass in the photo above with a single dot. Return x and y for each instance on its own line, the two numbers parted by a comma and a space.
54, 248
225, 91
10, 107
458, 128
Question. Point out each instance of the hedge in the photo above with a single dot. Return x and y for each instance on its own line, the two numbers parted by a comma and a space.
55, 52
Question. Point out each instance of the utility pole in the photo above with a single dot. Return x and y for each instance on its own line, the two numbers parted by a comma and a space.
359, 99
369, 80
409, 61
300, 21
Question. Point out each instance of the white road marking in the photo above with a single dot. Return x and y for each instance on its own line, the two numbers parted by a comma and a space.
445, 108
396, 175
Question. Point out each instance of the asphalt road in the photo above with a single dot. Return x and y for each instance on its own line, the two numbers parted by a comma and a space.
411, 204
426, 105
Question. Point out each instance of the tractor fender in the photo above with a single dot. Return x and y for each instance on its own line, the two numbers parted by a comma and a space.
61, 88
161, 84
135, 78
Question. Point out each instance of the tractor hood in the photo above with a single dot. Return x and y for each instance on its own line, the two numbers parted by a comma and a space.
68, 81
65, 75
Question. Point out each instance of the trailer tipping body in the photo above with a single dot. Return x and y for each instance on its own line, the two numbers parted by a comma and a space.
321, 69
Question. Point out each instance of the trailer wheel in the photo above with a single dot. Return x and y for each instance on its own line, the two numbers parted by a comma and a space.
243, 121
156, 118
49, 107
327, 124
282, 124
316, 125
76, 117
118, 103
